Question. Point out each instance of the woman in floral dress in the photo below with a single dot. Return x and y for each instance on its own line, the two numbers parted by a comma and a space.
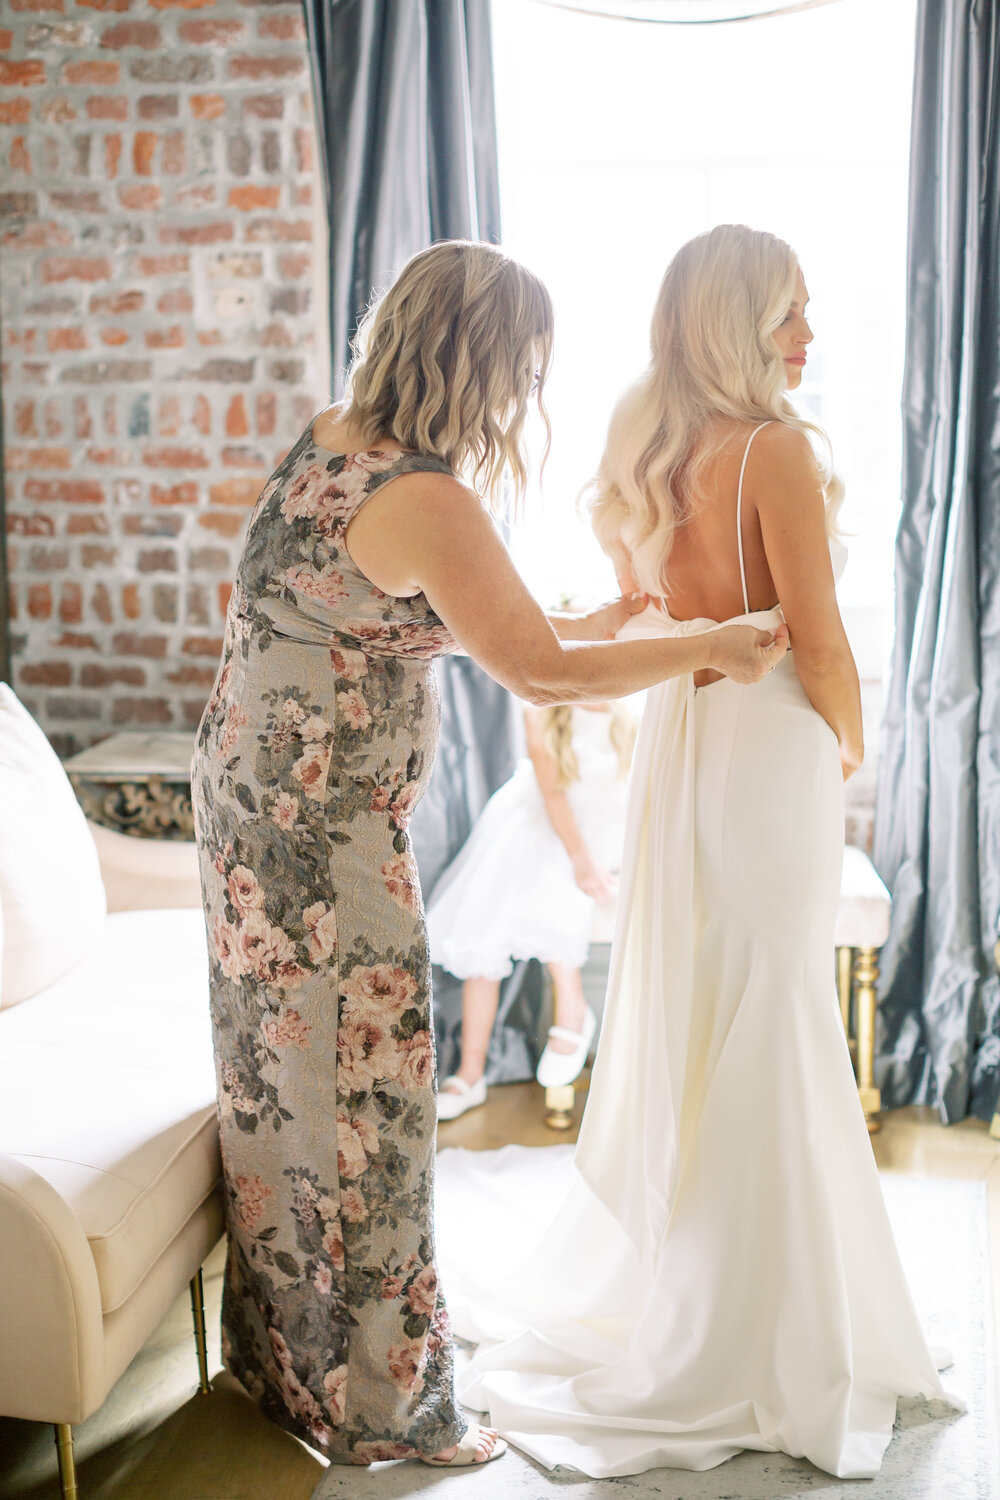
314, 747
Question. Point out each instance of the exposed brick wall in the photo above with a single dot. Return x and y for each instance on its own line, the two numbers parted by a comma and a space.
161, 345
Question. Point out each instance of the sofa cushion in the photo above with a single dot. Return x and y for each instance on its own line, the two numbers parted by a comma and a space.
50, 881
865, 904
140, 873
107, 1090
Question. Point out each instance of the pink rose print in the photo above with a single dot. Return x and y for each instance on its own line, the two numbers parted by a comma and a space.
353, 1206
402, 803
348, 664
264, 947
244, 891
322, 923
285, 811
236, 718
280, 1348
310, 771
333, 1244
376, 1453
292, 711
315, 728
404, 1366
251, 1194
354, 709
379, 986
226, 942
356, 1141
422, 1294
335, 1385
286, 1030
323, 1280
301, 498
327, 587
402, 881
417, 1069
391, 1288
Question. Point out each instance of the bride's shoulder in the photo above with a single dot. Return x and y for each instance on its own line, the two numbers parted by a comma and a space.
780, 450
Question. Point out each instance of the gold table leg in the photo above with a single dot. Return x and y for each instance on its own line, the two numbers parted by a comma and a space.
67, 1467
845, 963
866, 978
200, 1338
559, 1107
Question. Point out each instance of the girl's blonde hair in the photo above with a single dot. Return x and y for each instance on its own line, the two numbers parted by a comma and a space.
446, 360
557, 737
713, 354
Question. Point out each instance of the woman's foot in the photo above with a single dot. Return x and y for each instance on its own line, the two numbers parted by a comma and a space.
456, 1095
478, 1446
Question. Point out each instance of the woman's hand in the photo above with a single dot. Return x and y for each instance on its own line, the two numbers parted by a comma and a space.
745, 653
851, 757
600, 624
592, 878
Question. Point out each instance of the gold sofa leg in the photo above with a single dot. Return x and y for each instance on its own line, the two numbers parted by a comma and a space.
67, 1468
559, 1107
845, 964
866, 978
200, 1338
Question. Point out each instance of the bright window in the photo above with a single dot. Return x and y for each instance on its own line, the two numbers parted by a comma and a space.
619, 141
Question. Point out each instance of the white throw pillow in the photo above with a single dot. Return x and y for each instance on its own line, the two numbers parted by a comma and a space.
50, 880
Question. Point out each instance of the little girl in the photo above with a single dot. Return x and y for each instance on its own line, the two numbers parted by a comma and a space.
537, 879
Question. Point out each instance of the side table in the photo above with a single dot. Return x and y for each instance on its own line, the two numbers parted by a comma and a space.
138, 784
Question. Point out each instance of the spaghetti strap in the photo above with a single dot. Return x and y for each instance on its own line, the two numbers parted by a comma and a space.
739, 514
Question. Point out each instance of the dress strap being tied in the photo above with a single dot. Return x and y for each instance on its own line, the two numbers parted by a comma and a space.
739, 514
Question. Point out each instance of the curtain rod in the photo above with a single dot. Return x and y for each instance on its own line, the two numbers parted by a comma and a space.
605, 12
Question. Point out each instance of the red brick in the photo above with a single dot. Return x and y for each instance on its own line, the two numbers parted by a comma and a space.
65, 338
18, 156
248, 197
202, 645
168, 416
163, 265
146, 34
100, 603
72, 491
188, 675
180, 4
266, 231
39, 601
116, 457
174, 153
92, 555
6, 40
153, 525
129, 643
24, 418
114, 337
15, 111
102, 72
302, 194
223, 523
196, 234
207, 106
39, 236
223, 592
157, 560
141, 196
264, 106
208, 337
95, 674
143, 151
47, 674
287, 28
71, 640
112, 155
157, 107
86, 525
185, 493
175, 458
265, 67
76, 268
242, 492
112, 5
25, 74
236, 418
117, 303
71, 604
76, 200
179, 300
303, 150
18, 460
267, 410
131, 603
201, 416
30, 525
202, 33
195, 195
294, 265
141, 711
54, 426
102, 107
82, 421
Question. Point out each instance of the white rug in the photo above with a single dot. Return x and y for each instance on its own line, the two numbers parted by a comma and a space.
943, 1234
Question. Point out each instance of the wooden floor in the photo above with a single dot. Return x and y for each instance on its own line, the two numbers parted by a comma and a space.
156, 1439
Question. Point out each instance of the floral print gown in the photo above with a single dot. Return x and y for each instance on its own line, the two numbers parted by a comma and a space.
314, 747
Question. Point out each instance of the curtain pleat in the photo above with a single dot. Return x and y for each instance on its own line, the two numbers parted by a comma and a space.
937, 827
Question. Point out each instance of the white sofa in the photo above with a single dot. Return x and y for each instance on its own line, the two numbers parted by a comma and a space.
110, 1194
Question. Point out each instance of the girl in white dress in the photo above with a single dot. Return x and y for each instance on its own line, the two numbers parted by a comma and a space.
734, 1282
536, 879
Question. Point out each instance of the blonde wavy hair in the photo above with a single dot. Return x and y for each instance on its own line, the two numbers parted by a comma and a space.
447, 359
713, 354
557, 737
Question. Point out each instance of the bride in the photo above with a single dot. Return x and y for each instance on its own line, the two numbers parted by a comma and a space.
716, 1270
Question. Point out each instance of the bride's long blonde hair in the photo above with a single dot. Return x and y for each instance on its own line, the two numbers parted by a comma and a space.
713, 354
447, 359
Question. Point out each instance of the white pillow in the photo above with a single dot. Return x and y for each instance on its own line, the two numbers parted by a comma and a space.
50, 880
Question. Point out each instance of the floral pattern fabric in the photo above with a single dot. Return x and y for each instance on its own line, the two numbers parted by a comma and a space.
314, 747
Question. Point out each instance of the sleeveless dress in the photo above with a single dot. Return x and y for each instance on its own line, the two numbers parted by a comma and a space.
715, 1270
314, 747
511, 892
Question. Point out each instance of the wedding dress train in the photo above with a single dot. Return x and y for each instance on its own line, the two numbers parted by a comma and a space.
715, 1271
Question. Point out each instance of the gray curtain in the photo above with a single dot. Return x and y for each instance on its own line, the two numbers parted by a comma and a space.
407, 131
937, 829
407, 134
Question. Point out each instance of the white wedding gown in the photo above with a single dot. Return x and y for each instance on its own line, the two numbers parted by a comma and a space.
715, 1271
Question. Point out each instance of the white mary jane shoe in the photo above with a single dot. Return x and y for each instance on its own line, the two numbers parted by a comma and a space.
454, 1101
557, 1069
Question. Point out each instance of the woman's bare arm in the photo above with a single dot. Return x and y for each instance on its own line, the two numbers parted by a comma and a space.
587, 873
783, 484
430, 533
